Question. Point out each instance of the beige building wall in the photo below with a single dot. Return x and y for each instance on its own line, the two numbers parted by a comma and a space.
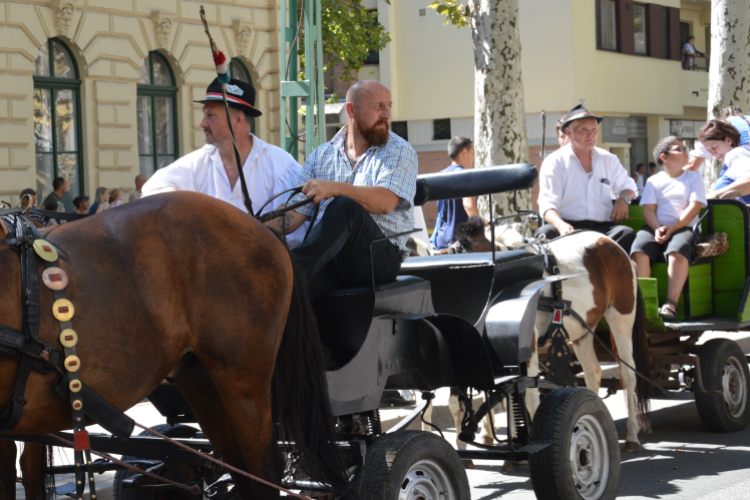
109, 40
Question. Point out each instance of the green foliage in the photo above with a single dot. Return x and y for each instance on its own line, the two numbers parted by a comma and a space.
350, 32
455, 13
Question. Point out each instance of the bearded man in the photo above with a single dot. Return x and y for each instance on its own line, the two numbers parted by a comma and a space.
364, 182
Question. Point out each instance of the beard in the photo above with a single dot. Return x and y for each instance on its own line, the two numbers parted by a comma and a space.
373, 135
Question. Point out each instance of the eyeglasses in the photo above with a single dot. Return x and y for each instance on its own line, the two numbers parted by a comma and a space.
678, 149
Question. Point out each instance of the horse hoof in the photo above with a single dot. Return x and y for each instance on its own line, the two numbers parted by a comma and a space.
632, 447
469, 464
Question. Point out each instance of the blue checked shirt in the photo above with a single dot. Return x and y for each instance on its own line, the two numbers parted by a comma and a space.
392, 166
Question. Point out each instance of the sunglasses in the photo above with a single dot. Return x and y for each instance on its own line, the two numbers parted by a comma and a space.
678, 149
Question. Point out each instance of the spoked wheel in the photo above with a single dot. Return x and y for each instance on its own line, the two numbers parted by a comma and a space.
724, 370
583, 458
412, 465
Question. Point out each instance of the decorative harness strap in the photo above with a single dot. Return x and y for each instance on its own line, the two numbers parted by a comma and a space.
558, 354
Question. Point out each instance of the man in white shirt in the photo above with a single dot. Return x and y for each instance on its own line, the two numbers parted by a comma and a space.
578, 182
212, 169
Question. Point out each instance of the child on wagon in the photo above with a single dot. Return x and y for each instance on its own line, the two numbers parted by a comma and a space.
671, 203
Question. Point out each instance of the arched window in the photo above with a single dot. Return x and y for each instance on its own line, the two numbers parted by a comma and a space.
238, 71
57, 124
157, 115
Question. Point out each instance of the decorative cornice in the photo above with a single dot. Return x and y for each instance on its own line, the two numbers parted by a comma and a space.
163, 22
243, 31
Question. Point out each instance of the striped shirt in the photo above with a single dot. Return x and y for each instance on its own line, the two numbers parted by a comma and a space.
392, 166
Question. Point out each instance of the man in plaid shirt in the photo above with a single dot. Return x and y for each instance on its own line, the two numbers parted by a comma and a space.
364, 180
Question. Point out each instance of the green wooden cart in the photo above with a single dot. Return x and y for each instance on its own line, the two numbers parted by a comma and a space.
715, 298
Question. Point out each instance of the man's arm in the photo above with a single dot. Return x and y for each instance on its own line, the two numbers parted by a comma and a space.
374, 199
553, 217
470, 206
287, 223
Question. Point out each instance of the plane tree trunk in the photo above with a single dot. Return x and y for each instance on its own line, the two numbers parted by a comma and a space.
499, 112
729, 65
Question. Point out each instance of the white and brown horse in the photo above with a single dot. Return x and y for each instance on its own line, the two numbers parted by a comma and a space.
609, 289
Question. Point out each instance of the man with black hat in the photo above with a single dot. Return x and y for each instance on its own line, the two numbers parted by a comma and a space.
578, 182
212, 169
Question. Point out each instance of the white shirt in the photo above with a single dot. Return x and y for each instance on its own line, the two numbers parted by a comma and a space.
672, 195
639, 183
268, 170
566, 187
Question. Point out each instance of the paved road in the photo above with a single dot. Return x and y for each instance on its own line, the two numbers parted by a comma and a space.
680, 460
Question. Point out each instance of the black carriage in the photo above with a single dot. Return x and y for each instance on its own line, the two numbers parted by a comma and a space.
463, 320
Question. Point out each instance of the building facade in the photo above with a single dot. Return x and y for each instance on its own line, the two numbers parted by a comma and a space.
98, 91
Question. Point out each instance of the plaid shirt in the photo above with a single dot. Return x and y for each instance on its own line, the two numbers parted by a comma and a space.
392, 166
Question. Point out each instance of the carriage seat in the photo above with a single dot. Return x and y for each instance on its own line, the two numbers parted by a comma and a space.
345, 315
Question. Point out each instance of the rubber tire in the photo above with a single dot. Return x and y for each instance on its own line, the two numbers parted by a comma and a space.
391, 456
553, 422
176, 431
712, 408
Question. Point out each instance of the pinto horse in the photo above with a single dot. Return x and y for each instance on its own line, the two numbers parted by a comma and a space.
187, 274
609, 289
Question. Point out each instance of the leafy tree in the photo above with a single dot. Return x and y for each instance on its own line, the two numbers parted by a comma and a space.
350, 32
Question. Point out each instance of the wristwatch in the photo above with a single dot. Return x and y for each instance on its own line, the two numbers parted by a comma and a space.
627, 200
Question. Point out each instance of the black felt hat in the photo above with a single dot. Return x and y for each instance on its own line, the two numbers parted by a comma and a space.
240, 95
578, 113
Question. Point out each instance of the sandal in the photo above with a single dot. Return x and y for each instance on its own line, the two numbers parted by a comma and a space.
669, 310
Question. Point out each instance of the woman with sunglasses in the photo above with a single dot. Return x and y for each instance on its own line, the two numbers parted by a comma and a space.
671, 203
722, 140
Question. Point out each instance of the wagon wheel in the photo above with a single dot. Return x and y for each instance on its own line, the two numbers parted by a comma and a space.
120, 493
413, 465
723, 369
583, 459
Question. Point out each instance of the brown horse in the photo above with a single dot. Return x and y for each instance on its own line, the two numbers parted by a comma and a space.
178, 273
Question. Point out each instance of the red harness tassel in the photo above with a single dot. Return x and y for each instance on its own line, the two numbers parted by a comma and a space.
81, 441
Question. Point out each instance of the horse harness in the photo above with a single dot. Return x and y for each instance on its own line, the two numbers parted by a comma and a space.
33, 353
558, 362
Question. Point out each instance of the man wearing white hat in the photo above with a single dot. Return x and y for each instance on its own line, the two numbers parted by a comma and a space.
578, 182
212, 169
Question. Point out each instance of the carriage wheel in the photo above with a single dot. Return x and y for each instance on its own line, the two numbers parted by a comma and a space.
413, 465
583, 459
120, 493
724, 369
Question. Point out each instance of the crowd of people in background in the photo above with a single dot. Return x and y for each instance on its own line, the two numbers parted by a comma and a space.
104, 199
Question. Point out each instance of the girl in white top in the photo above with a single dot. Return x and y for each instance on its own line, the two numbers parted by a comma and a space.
722, 141
671, 203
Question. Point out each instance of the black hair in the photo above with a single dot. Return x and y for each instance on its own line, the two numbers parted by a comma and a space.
662, 147
59, 181
51, 206
78, 200
457, 145
28, 191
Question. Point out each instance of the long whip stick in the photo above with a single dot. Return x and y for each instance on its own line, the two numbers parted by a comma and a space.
222, 70
544, 134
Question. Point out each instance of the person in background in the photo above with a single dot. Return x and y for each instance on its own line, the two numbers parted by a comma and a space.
671, 203
722, 141
52, 206
140, 180
640, 177
101, 201
59, 188
82, 205
115, 198
578, 182
24, 197
689, 53
451, 213
652, 169
562, 138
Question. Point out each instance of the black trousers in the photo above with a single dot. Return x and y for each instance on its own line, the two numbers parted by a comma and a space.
337, 252
622, 235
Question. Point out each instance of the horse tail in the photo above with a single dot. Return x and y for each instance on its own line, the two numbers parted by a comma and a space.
301, 410
640, 348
